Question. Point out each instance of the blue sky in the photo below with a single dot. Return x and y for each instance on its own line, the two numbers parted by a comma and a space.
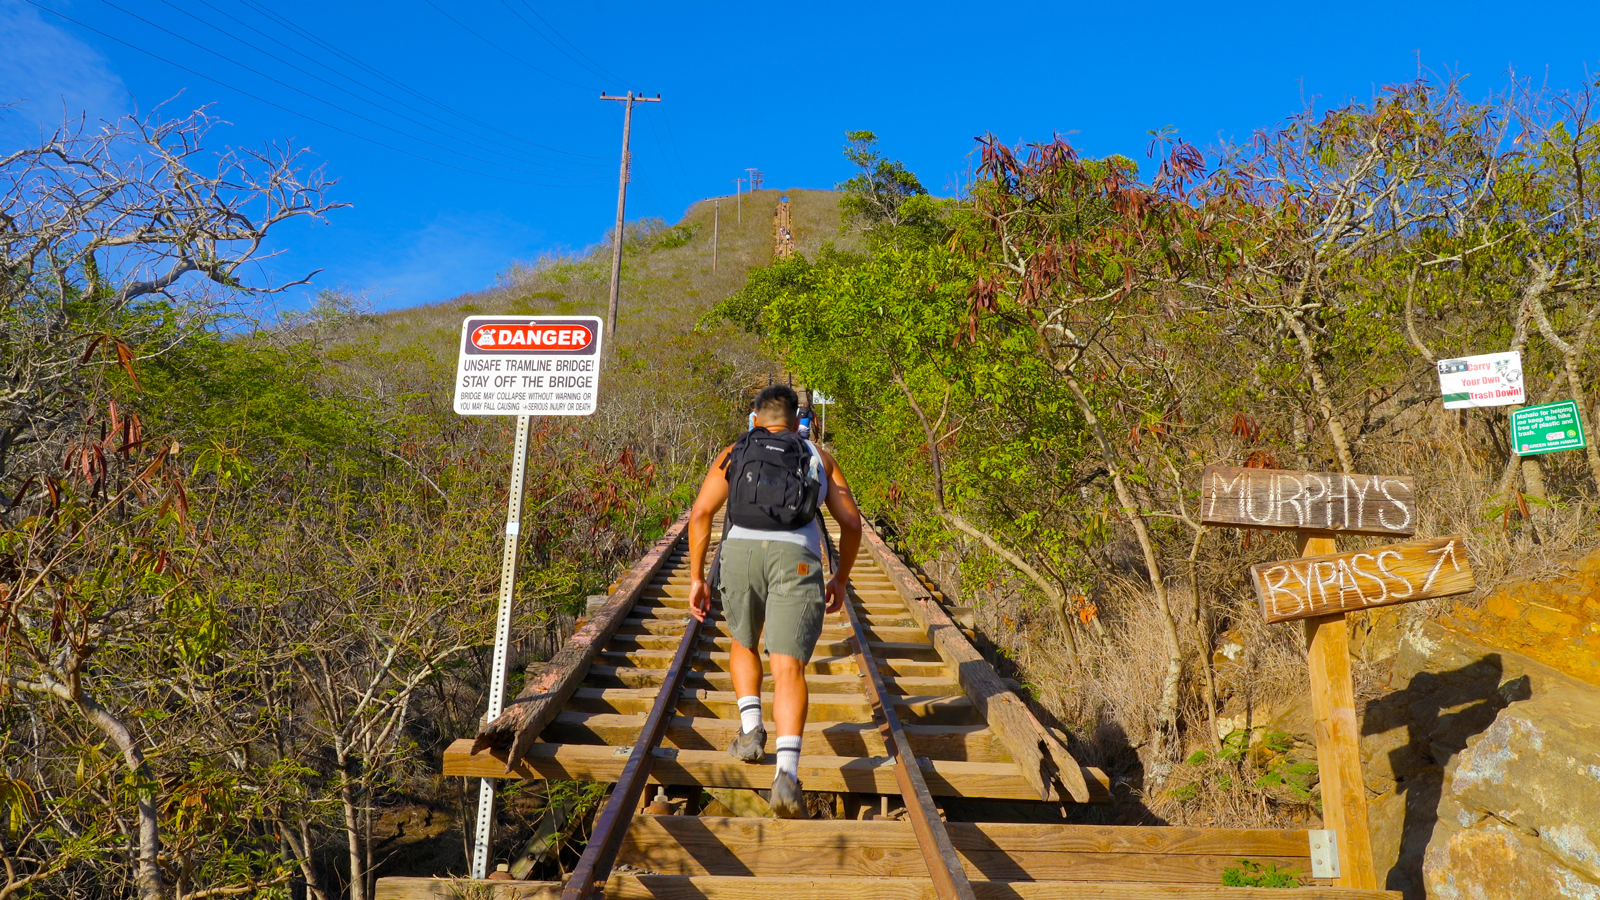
515, 83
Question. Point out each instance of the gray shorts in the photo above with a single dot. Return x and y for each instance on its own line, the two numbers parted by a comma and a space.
774, 585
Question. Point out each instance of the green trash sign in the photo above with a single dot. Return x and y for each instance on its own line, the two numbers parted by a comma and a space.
1547, 428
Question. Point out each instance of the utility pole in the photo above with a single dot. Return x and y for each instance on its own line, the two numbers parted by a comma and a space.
716, 226
622, 202
755, 178
738, 188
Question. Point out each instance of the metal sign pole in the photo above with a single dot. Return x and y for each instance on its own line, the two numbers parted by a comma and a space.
502, 640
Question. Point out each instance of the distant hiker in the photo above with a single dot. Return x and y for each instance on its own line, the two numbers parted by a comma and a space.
771, 573
751, 422
805, 422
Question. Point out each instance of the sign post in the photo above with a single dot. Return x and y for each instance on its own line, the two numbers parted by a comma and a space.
1319, 588
1547, 428
523, 366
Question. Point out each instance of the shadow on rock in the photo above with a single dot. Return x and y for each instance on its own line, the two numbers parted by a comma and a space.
1441, 712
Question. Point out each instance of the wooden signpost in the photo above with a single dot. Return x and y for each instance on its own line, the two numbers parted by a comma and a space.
1319, 588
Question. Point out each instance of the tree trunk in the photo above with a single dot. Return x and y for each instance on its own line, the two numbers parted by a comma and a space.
1167, 726
147, 870
352, 833
1321, 391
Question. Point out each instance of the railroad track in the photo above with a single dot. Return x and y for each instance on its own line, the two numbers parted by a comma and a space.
642, 694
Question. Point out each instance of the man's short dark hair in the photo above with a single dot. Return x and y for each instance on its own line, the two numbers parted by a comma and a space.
778, 400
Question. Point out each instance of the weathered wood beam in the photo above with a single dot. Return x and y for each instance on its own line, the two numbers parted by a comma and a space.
629, 676
937, 709
542, 697
972, 743
715, 768
1044, 761
714, 887
676, 845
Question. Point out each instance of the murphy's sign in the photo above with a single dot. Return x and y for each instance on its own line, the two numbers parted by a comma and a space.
1308, 501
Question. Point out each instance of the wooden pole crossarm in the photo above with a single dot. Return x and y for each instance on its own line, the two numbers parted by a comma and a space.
594, 867
944, 865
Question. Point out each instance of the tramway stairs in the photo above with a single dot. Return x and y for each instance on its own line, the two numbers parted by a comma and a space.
592, 700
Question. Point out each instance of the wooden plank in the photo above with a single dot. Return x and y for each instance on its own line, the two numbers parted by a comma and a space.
1313, 501
1333, 708
1045, 762
735, 835
627, 676
935, 709
830, 633
718, 661
1327, 583
712, 887
701, 853
973, 743
594, 866
922, 651
532, 709
939, 856
715, 768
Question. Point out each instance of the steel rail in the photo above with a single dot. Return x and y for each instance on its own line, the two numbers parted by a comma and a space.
944, 865
594, 867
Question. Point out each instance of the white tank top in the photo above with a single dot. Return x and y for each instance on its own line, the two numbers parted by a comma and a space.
808, 535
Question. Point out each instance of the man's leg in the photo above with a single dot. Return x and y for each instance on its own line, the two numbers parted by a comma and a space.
789, 700
744, 664
743, 604
794, 623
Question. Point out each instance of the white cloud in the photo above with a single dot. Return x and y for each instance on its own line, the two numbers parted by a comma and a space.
53, 72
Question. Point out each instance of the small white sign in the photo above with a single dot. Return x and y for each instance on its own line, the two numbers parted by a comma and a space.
817, 399
528, 366
1493, 379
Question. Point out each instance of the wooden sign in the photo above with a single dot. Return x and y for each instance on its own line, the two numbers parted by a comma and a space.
1344, 582
1308, 501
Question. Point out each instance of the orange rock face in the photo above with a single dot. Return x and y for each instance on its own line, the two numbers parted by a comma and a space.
1555, 621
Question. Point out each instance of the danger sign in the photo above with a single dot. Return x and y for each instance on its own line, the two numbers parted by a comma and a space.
528, 366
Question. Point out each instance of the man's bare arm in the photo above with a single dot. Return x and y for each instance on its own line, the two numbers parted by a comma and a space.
713, 493
842, 506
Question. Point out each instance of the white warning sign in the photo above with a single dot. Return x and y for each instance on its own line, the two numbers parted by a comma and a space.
528, 366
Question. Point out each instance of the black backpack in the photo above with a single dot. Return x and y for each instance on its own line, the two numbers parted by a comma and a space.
772, 482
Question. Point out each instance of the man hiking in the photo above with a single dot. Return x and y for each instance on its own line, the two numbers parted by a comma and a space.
771, 573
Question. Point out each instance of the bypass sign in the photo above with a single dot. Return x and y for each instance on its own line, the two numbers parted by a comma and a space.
528, 366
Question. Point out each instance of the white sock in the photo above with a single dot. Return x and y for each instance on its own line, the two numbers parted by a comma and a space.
789, 754
749, 713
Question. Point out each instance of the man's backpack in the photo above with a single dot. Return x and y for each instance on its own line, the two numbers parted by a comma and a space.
774, 481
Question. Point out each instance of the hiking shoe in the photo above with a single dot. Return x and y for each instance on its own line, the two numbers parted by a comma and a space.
750, 746
786, 800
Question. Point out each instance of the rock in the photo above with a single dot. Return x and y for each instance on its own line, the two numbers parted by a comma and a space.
1497, 863
1485, 770
1537, 769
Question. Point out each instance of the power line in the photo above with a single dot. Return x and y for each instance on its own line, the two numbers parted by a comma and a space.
553, 30
508, 53
672, 141
368, 87
279, 106
292, 27
656, 132
336, 106
590, 68
337, 87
